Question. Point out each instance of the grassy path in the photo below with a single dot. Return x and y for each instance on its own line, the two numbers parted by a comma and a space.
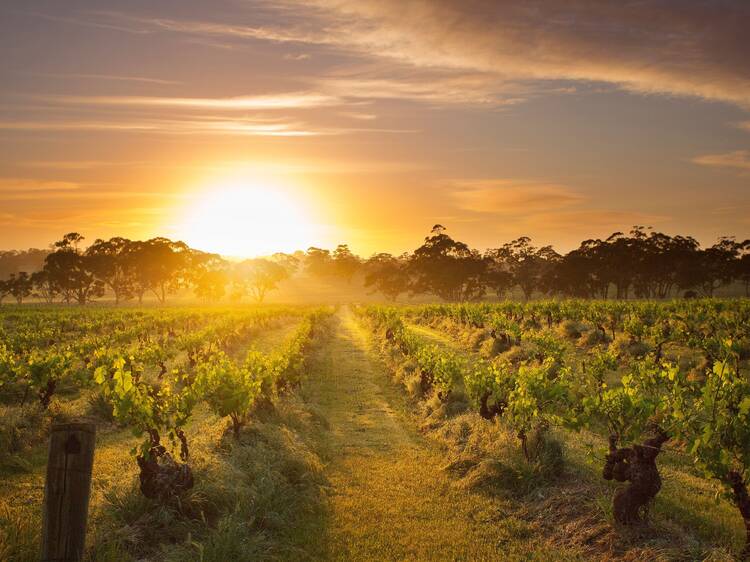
389, 497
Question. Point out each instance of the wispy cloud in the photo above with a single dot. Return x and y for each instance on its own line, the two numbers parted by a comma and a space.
503, 196
32, 189
358, 115
434, 87
165, 126
694, 49
547, 210
109, 77
699, 49
243, 103
238, 127
76, 164
738, 160
581, 223
32, 185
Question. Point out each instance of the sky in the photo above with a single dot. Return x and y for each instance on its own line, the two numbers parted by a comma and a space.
245, 127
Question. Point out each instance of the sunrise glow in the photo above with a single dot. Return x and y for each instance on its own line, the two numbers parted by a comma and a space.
244, 216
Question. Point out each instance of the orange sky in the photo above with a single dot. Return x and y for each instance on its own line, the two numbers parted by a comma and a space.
246, 126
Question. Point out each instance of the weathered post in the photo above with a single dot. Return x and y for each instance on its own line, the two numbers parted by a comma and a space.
67, 490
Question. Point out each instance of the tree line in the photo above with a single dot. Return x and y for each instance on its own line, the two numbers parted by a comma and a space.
132, 269
640, 264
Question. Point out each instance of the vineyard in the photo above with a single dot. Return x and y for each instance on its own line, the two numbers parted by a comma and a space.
564, 429
158, 383
649, 380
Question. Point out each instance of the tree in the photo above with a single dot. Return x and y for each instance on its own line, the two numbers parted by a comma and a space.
290, 262
106, 259
498, 276
158, 265
527, 264
210, 284
45, 286
318, 262
616, 260
68, 270
20, 286
345, 263
256, 277
387, 274
4, 289
660, 259
576, 275
447, 268
742, 272
711, 268
207, 273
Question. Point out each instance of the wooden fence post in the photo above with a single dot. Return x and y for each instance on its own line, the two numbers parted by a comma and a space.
67, 490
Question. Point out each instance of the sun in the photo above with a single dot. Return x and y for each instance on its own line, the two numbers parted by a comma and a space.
245, 217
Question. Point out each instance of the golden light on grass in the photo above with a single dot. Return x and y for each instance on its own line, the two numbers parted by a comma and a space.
247, 214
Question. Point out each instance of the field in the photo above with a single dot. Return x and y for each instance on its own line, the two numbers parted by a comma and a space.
551, 430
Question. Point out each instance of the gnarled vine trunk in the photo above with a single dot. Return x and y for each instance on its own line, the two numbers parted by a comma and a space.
161, 477
742, 499
489, 412
637, 465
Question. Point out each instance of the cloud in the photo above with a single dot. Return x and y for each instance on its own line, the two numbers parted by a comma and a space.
242, 127
738, 160
266, 102
693, 48
585, 221
511, 197
76, 164
34, 189
439, 87
549, 212
111, 77
690, 48
237, 127
358, 115
31, 185
186, 115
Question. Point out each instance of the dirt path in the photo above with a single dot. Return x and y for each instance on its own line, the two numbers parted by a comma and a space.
389, 498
